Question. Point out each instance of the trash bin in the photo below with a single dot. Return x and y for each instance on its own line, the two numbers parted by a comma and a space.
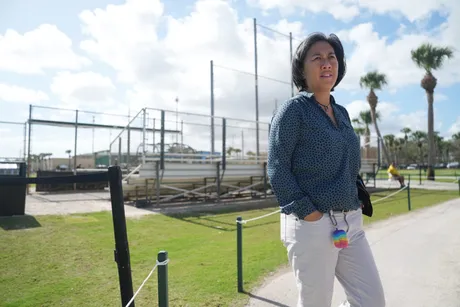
13, 197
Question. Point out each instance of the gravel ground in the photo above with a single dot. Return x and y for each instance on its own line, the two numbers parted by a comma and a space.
68, 203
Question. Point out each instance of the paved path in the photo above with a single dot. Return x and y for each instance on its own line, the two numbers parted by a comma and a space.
418, 259
426, 185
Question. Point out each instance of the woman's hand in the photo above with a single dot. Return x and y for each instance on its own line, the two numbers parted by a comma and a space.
314, 216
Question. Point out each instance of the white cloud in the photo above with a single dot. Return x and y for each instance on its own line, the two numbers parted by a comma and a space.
159, 57
341, 10
33, 52
412, 10
14, 93
371, 51
178, 64
346, 9
438, 97
391, 119
129, 46
87, 89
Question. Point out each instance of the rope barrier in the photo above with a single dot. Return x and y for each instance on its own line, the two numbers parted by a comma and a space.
114, 177
392, 194
239, 233
258, 218
279, 210
146, 279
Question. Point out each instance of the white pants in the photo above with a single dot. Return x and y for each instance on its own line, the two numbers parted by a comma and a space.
315, 261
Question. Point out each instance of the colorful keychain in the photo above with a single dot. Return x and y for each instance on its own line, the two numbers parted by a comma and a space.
339, 236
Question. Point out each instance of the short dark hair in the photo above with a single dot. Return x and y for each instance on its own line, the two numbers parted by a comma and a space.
298, 58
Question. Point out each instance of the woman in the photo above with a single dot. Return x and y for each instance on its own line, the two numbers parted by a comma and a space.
313, 164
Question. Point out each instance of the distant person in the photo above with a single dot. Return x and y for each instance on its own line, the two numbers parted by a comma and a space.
313, 164
393, 171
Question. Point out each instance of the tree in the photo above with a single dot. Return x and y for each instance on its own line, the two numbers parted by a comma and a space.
365, 118
389, 141
359, 131
230, 150
68, 151
375, 81
406, 131
429, 58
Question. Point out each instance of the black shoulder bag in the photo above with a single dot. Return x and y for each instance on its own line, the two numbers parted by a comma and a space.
364, 197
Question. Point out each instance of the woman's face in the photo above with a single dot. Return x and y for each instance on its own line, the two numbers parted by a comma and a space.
320, 67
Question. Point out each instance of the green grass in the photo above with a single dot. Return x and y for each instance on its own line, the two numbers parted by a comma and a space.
68, 260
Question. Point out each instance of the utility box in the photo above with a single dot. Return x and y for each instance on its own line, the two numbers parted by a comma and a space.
12, 196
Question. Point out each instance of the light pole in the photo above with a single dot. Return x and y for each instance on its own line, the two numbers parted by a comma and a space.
177, 118
92, 145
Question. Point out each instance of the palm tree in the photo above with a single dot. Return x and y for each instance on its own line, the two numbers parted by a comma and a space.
230, 150
375, 81
365, 119
68, 151
429, 58
389, 140
359, 131
406, 131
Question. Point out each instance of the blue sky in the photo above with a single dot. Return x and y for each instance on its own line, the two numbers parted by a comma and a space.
120, 83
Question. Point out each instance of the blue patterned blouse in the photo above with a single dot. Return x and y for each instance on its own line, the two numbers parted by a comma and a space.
313, 164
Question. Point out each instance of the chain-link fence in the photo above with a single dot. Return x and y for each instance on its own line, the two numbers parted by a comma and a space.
63, 139
188, 137
13, 141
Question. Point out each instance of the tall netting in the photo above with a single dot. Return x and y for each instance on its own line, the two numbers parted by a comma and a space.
69, 139
13, 141
187, 136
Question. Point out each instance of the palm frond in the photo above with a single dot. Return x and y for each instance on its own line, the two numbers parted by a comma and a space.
430, 57
373, 80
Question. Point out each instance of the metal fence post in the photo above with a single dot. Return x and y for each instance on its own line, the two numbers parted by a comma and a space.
157, 182
239, 252
408, 197
75, 149
163, 279
218, 187
121, 252
375, 175
119, 151
212, 110
265, 179
162, 141
29, 158
420, 175
144, 123
224, 143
